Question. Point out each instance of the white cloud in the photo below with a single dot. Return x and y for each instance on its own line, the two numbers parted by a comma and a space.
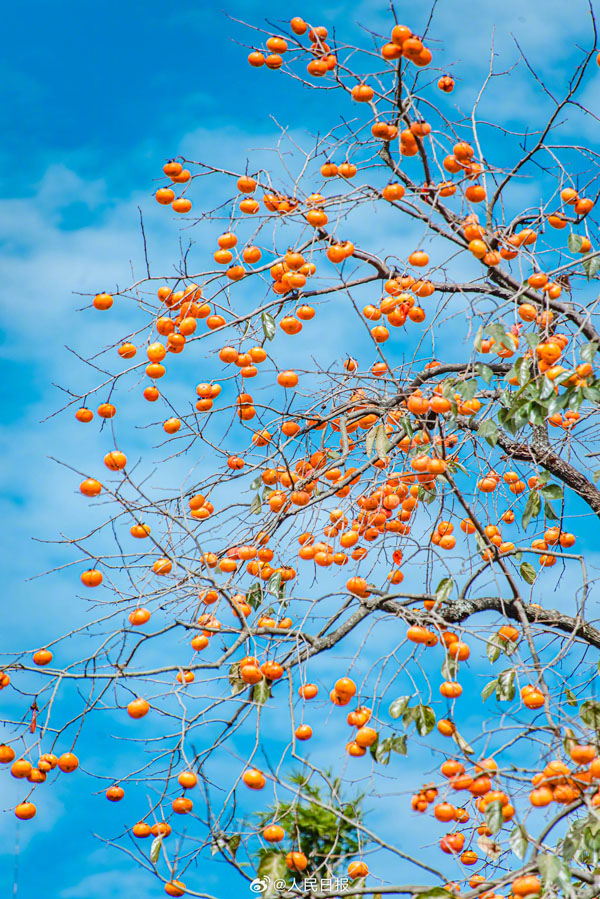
114, 882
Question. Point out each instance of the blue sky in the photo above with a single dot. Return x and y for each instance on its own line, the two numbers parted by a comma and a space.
94, 97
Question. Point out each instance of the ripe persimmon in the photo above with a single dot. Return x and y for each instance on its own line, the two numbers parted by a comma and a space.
137, 708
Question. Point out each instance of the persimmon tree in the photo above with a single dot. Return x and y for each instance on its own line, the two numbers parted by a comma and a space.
377, 493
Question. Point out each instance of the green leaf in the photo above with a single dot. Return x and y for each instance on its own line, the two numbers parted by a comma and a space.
518, 842
590, 713
547, 389
370, 440
503, 415
449, 668
233, 843
574, 242
424, 719
268, 323
408, 717
558, 402
256, 483
588, 351
591, 838
576, 399
532, 508
254, 595
551, 491
272, 868
522, 367
493, 816
570, 845
443, 590
261, 692
537, 414
381, 751
532, 339
236, 683
494, 647
552, 869
528, 572
373, 748
485, 372
549, 511
274, 584
481, 544
399, 744
407, 427
448, 386
496, 331
522, 416
505, 691
569, 739
592, 394
489, 431
427, 496
467, 389
382, 443
155, 848
564, 376
478, 338
591, 267
571, 698
256, 505
398, 706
